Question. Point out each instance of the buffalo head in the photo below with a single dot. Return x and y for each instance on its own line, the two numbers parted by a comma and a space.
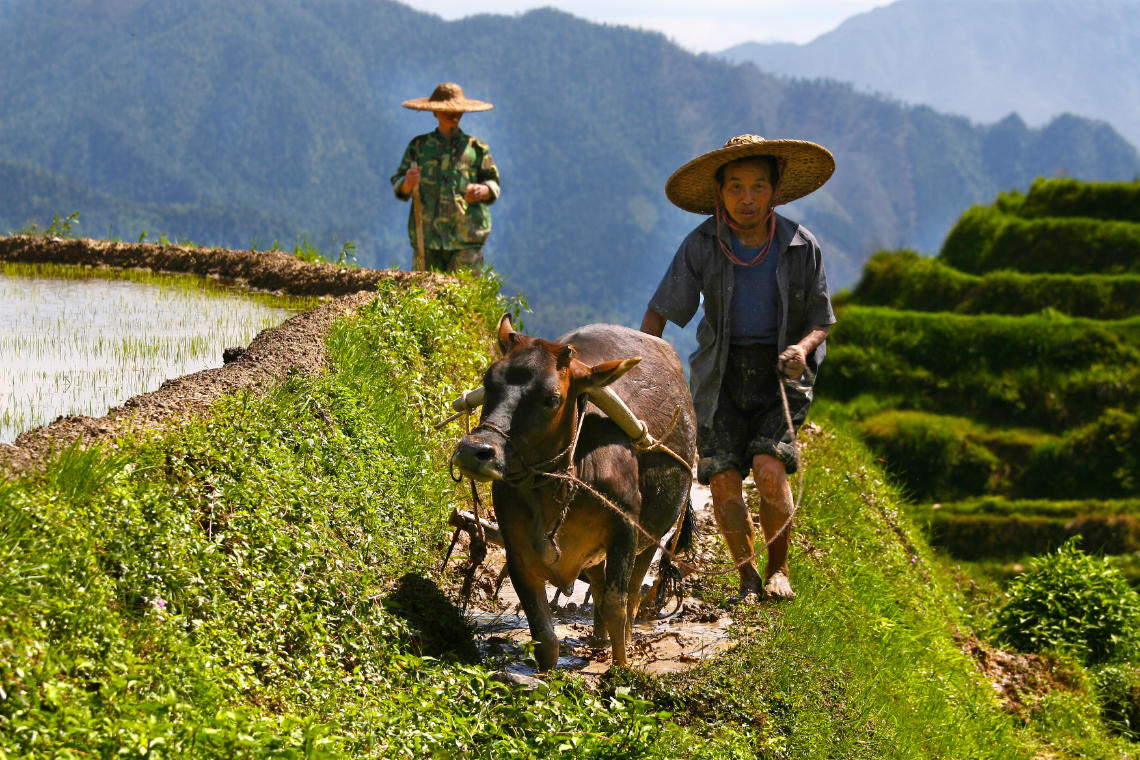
529, 404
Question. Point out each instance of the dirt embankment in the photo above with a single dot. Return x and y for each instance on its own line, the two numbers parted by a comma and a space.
296, 345
262, 270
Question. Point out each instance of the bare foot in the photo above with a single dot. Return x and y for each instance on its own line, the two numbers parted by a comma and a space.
779, 587
749, 591
744, 598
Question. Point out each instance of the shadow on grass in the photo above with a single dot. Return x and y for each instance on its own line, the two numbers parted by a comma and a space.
439, 630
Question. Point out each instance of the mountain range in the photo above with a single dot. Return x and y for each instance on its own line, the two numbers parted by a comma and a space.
983, 59
244, 124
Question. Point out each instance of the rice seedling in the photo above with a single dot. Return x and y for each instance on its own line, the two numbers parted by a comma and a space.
78, 340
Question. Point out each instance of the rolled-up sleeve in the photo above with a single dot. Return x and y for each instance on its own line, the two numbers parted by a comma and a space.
679, 294
398, 177
488, 174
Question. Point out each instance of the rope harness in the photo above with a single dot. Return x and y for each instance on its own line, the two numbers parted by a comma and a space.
530, 476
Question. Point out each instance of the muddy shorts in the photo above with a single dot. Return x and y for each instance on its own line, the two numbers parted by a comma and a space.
450, 261
749, 418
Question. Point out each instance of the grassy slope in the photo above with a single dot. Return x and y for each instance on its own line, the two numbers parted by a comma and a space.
233, 590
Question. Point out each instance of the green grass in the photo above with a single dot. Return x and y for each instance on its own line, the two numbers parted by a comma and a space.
237, 588
225, 590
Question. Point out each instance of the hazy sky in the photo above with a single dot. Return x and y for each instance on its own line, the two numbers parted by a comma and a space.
699, 25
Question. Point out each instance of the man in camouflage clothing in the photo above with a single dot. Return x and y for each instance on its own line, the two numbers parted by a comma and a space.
457, 180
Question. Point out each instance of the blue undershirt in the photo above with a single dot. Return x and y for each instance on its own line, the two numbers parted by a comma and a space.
754, 299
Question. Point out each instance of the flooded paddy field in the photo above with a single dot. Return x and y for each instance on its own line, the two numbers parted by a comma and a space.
79, 340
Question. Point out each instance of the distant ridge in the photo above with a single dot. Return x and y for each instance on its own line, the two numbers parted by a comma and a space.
235, 124
982, 58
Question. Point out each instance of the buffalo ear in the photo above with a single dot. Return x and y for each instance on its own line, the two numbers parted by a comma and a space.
565, 355
507, 335
601, 375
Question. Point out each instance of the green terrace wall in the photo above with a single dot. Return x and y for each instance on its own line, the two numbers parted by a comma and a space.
999, 380
1040, 371
938, 456
985, 240
909, 281
1070, 197
993, 527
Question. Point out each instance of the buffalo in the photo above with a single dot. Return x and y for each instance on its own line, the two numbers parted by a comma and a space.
571, 491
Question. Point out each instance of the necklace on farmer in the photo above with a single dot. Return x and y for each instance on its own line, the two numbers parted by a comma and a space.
761, 254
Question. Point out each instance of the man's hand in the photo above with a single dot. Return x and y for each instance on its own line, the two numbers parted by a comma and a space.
793, 361
411, 179
476, 193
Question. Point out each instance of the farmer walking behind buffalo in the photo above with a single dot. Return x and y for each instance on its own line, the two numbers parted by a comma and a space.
455, 179
767, 313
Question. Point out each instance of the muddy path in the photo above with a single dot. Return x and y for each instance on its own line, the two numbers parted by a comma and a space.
297, 345
274, 271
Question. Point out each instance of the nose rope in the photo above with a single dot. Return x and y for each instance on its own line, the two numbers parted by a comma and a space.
531, 471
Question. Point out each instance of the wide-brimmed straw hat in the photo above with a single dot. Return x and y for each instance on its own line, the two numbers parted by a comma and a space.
806, 166
448, 96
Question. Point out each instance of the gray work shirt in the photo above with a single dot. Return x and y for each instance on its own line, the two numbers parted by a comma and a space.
701, 268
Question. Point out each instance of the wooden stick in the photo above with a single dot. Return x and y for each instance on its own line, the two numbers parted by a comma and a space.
420, 263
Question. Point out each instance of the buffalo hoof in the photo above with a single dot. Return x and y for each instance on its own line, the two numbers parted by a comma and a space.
779, 587
598, 638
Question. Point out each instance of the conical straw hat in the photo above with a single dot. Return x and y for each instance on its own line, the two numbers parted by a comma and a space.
806, 167
448, 96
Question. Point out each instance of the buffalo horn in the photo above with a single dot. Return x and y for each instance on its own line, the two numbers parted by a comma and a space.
469, 401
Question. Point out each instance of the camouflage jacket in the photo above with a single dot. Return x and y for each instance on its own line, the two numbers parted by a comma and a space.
447, 166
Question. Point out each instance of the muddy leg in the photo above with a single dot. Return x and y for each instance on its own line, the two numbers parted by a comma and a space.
775, 510
597, 577
735, 525
532, 593
619, 569
640, 568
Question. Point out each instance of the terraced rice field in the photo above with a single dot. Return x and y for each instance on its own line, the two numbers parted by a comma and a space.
78, 341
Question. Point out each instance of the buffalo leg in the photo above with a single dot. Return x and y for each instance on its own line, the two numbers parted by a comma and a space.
640, 568
532, 594
596, 575
619, 569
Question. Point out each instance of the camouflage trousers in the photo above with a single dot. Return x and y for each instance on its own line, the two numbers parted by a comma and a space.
438, 260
